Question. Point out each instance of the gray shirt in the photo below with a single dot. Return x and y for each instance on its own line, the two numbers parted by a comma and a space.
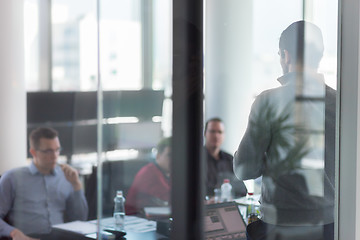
290, 141
33, 202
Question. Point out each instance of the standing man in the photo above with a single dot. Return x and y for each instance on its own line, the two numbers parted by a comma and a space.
34, 198
219, 162
290, 142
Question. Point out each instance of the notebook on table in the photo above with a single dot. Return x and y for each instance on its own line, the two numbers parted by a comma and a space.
224, 221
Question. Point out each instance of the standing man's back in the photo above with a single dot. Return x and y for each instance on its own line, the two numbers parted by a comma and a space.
290, 142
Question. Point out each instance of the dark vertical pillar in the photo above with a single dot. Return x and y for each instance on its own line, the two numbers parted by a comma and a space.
187, 180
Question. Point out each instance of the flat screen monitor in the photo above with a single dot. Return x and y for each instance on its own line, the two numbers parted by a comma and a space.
224, 221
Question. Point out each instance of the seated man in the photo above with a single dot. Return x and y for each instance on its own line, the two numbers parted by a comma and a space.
219, 162
151, 186
35, 197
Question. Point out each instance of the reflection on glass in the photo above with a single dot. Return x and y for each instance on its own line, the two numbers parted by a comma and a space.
137, 152
74, 45
74, 41
135, 118
162, 50
290, 142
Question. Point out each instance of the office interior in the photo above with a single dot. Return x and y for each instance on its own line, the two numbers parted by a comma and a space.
103, 74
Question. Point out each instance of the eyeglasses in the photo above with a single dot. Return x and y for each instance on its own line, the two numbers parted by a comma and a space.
215, 131
50, 151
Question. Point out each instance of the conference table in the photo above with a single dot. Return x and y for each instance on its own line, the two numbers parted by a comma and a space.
136, 228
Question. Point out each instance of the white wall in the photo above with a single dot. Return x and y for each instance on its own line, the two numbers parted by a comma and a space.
12, 86
228, 66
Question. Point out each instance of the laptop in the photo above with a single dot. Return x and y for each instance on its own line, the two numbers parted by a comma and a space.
224, 221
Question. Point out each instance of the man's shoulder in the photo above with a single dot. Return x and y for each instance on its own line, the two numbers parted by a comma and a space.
147, 166
226, 155
276, 92
271, 96
13, 175
146, 170
147, 175
15, 171
330, 94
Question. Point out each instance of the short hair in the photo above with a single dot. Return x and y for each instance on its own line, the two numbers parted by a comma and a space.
214, 119
163, 143
304, 42
41, 132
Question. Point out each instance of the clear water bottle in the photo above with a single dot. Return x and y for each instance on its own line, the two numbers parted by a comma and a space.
119, 211
226, 191
217, 195
251, 211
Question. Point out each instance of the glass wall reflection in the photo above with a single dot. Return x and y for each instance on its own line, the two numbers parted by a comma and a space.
272, 109
273, 84
131, 102
135, 68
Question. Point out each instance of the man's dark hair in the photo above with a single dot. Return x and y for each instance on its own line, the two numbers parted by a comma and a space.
214, 119
41, 132
163, 143
304, 42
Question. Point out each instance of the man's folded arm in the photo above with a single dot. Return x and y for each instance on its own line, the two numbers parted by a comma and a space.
5, 229
77, 207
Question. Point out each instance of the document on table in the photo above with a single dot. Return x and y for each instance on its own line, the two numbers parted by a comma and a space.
132, 224
78, 226
157, 211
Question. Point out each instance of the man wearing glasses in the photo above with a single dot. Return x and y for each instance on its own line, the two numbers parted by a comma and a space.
34, 198
219, 162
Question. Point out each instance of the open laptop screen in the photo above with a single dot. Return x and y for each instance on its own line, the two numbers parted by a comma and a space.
224, 220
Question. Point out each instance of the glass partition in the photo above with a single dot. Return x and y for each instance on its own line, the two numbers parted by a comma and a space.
136, 127
168, 100
115, 130
270, 96
73, 44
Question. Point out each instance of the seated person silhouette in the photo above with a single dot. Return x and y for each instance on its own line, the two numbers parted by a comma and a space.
35, 197
219, 162
151, 186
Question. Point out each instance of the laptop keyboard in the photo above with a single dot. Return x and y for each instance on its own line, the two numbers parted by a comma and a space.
233, 236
